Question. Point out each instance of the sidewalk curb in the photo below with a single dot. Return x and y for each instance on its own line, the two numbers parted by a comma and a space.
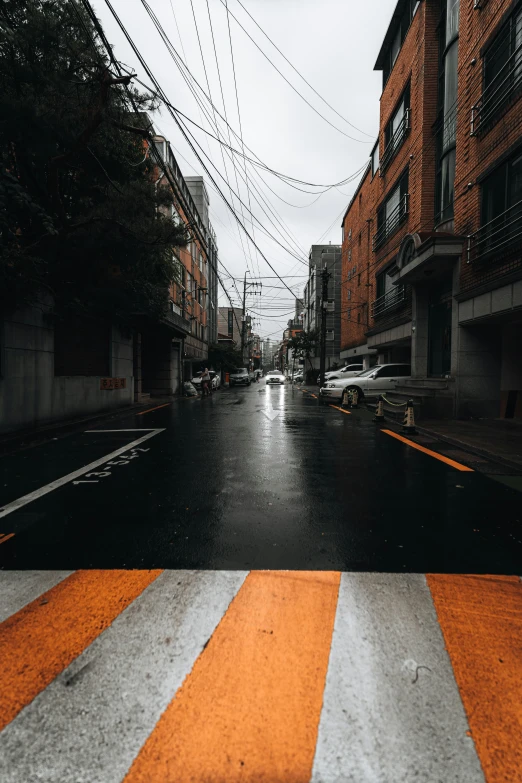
489, 455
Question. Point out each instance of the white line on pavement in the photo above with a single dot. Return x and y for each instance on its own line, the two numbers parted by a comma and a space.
19, 588
38, 493
391, 706
90, 723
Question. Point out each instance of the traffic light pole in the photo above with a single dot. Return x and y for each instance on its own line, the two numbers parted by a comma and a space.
325, 276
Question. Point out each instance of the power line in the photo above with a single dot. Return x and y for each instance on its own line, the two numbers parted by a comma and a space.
184, 133
359, 141
98, 28
301, 75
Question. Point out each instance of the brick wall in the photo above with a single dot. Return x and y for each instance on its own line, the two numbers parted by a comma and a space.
417, 64
476, 154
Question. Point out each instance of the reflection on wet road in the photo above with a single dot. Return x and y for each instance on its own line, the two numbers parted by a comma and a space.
254, 478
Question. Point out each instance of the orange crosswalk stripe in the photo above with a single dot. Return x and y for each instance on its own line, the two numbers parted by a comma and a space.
42, 639
481, 620
250, 708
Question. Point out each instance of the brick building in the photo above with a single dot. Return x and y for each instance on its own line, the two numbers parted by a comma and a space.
432, 239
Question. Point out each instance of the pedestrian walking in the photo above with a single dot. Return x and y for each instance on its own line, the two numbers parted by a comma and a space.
205, 383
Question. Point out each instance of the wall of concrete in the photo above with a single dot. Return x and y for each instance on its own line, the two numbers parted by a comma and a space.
30, 393
479, 370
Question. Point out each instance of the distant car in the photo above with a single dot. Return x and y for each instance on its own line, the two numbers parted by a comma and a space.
274, 376
215, 380
298, 378
240, 377
348, 371
378, 380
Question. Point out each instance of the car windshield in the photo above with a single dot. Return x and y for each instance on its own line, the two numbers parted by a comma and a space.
239, 371
369, 372
274, 372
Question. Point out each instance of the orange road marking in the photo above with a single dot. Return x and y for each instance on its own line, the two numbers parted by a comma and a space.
481, 620
250, 708
142, 413
340, 409
6, 537
42, 639
314, 396
431, 453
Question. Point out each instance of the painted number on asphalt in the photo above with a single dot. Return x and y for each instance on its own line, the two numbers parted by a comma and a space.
113, 463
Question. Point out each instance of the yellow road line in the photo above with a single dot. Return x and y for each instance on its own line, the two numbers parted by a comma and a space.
42, 639
142, 413
481, 621
340, 409
314, 396
431, 453
250, 708
5, 537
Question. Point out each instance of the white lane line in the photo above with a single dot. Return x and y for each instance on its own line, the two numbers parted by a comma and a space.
136, 429
391, 707
90, 723
38, 493
19, 588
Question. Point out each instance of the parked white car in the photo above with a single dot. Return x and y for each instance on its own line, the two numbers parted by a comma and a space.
349, 371
378, 380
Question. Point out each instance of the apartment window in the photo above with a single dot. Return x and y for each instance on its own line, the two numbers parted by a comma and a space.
447, 129
360, 237
349, 292
383, 284
388, 57
348, 313
501, 208
330, 335
359, 279
502, 70
392, 212
375, 159
358, 318
330, 305
396, 129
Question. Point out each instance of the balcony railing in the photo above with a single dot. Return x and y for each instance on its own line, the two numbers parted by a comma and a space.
391, 299
391, 223
500, 233
395, 142
503, 88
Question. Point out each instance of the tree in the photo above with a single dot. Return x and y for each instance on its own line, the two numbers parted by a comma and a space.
80, 215
304, 344
224, 357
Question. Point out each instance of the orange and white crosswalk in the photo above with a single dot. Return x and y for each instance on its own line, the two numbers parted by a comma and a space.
174, 676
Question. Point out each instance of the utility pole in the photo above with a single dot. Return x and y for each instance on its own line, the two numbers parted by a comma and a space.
243, 313
243, 320
325, 276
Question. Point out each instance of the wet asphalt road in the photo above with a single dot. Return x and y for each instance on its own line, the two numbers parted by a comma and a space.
254, 478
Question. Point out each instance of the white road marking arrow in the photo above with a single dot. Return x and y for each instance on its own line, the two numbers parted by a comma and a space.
270, 413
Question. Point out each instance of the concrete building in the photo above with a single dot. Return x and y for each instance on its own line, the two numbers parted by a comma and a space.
432, 255
198, 191
322, 256
189, 294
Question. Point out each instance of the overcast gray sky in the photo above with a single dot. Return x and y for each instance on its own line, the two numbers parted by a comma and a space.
334, 45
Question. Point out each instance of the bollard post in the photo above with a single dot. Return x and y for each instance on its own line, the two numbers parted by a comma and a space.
345, 398
355, 399
408, 427
379, 413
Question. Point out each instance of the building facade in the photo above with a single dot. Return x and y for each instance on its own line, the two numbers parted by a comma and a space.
432, 250
309, 313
